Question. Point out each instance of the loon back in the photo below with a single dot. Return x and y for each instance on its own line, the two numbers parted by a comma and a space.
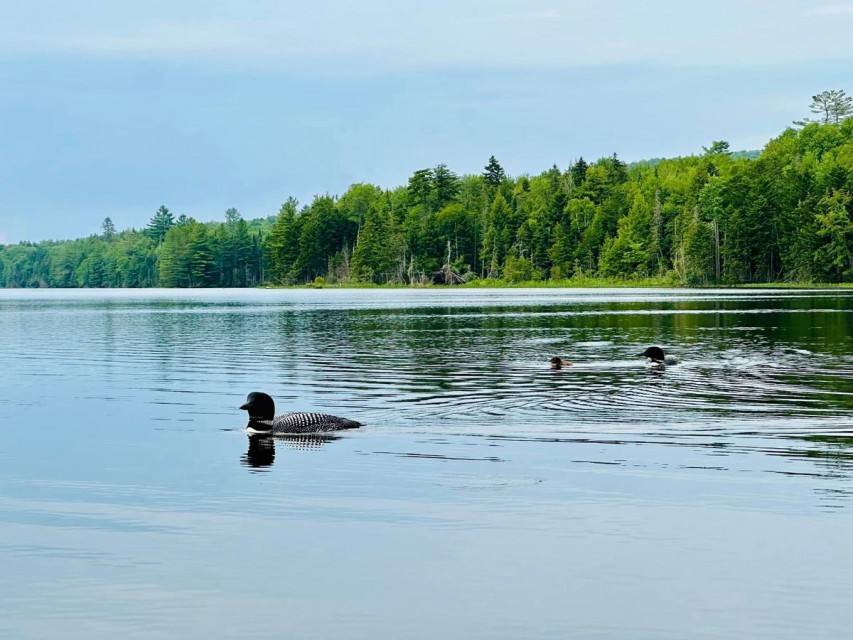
303, 423
262, 418
657, 357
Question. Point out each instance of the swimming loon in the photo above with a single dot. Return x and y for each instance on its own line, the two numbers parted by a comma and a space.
558, 363
262, 418
657, 358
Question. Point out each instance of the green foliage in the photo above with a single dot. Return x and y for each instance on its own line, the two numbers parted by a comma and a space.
834, 254
494, 174
373, 258
445, 186
160, 224
498, 236
629, 254
717, 146
420, 185
517, 269
108, 228
717, 218
832, 106
282, 247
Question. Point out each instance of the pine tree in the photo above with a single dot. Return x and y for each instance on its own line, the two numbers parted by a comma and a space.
496, 241
282, 245
717, 147
372, 258
494, 173
833, 106
202, 264
160, 224
420, 187
108, 228
578, 171
445, 187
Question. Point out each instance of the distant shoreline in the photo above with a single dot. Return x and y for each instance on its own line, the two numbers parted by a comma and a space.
484, 285
586, 283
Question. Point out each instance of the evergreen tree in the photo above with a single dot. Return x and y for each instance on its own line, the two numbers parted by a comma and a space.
420, 186
282, 246
373, 256
578, 171
173, 254
717, 147
494, 174
108, 229
445, 187
832, 106
497, 239
200, 255
560, 253
160, 224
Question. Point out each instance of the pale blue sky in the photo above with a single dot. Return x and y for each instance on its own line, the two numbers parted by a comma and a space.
113, 108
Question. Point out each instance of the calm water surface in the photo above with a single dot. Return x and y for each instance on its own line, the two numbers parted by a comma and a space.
486, 496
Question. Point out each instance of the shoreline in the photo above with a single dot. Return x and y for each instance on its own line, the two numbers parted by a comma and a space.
584, 283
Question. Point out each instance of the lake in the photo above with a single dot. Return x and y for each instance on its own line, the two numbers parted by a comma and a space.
486, 496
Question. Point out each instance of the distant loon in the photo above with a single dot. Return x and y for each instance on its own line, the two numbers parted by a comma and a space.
558, 363
657, 358
262, 418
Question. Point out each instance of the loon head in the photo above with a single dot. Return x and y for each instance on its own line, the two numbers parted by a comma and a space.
260, 406
558, 363
655, 354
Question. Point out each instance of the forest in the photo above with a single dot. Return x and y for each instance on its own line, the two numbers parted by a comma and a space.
784, 215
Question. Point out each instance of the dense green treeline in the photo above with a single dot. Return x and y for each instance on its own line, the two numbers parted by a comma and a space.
718, 218
169, 252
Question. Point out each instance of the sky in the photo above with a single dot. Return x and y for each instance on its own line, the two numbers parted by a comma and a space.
115, 108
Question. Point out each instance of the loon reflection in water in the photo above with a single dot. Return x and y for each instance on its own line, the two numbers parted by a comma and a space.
261, 451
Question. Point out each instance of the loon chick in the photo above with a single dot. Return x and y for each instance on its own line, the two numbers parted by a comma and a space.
657, 358
558, 363
262, 418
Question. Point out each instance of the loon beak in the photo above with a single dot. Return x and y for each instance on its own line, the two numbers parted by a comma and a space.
245, 406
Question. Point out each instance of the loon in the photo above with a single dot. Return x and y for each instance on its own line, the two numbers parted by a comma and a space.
657, 358
558, 363
263, 421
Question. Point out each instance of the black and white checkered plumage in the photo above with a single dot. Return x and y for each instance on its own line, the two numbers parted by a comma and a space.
262, 418
303, 423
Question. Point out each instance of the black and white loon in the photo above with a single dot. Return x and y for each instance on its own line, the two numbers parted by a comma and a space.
262, 418
657, 358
